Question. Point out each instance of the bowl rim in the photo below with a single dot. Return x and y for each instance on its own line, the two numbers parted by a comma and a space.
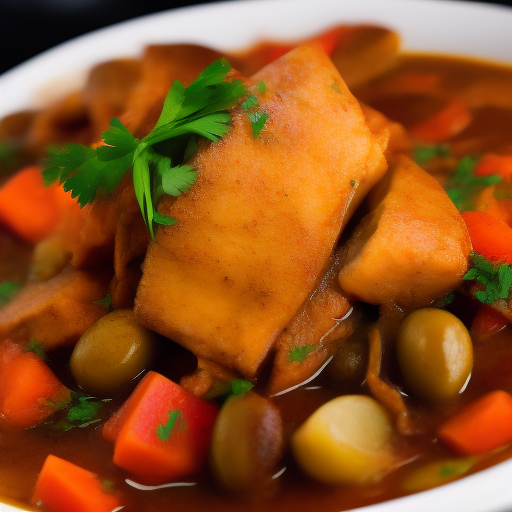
485, 35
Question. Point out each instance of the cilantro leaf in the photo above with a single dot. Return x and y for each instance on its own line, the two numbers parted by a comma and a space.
106, 301
240, 387
300, 353
199, 109
258, 120
463, 186
423, 154
84, 411
496, 279
165, 431
35, 347
257, 116
8, 290
177, 180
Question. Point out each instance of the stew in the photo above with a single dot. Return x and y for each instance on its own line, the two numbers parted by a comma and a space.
277, 280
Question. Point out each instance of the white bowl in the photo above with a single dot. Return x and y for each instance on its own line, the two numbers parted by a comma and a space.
439, 26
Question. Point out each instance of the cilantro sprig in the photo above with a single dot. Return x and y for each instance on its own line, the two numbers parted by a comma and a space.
240, 387
463, 186
299, 354
200, 109
424, 154
165, 431
82, 411
8, 289
496, 279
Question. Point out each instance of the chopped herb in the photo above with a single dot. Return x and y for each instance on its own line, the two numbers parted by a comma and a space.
165, 431
257, 117
200, 109
258, 120
250, 102
456, 467
463, 186
81, 410
423, 154
84, 411
106, 301
497, 279
300, 353
444, 300
240, 387
8, 290
33, 346
108, 486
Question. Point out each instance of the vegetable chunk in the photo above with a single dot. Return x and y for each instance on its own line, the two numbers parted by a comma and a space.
65, 487
256, 230
413, 245
162, 431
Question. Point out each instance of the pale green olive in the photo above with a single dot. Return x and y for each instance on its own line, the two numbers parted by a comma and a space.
435, 354
247, 443
111, 353
348, 440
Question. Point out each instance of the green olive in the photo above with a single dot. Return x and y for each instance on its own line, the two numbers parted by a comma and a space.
247, 443
111, 353
434, 353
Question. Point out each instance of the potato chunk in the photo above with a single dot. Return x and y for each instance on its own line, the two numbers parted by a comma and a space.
412, 247
255, 232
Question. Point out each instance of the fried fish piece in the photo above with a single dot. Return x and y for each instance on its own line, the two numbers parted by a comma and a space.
255, 232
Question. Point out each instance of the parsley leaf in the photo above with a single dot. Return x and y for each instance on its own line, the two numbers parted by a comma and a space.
106, 301
8, 290
496, 279
35, 347
257, 117
82, 411
165, 431
300, 353
240, 387
200, 109
464, 185
423, 154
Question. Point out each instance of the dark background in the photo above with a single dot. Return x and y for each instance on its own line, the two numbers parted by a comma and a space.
28, 27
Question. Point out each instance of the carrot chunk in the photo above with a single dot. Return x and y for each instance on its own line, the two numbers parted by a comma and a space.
490, 236
65, 487
484, 425
487, 321
31, 210
495, 164
443, 125
162, 431
29, 391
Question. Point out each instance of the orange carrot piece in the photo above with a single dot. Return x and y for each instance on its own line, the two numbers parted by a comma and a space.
65, 487
487, 321
482, 426
490, 236
29, 391
138, 446
30, 209
443, 125
495, 164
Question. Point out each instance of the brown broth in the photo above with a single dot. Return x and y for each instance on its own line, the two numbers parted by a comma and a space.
487, 89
